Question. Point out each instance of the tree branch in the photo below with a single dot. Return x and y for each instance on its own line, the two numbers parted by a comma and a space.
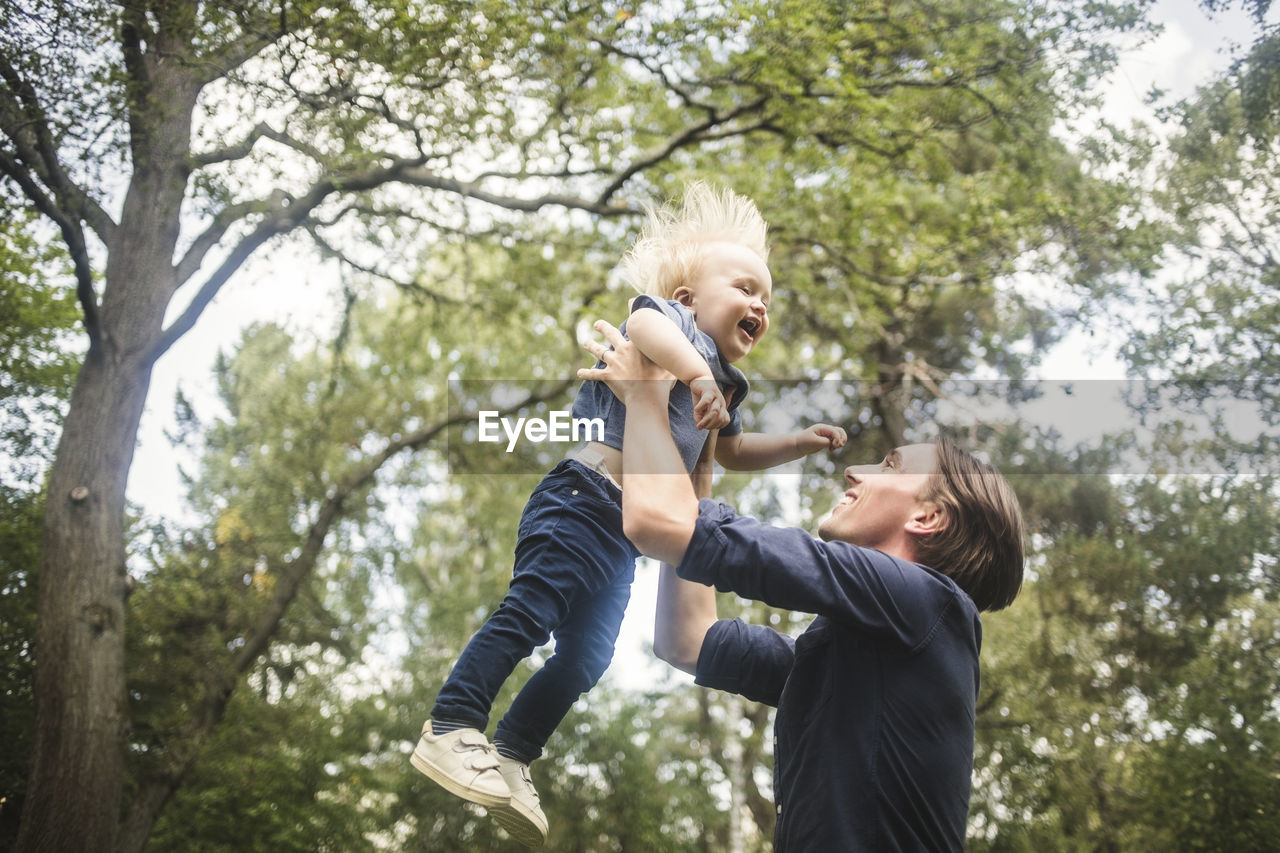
220, 63
22, 119
290, 215
72, 235
694, 134
420, 177
222, 222
241, 149
408, 286
295, 572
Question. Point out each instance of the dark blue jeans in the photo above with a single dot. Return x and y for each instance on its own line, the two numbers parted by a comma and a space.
573, 574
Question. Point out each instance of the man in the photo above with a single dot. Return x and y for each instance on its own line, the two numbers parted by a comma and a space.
876, 700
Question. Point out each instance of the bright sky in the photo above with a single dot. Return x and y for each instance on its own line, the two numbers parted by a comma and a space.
1189, 51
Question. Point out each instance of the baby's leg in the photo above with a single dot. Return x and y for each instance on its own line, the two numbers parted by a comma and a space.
584, 648
569, 548
521, 623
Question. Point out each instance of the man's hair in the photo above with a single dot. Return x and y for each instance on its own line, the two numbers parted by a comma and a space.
669, 249
980, 545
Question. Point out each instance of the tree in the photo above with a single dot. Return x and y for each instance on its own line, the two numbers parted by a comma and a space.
38, 358
357, 126
1215, 335
93, 88
1128, 696
1256, 65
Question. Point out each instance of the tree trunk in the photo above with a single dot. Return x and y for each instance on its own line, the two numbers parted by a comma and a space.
737, 772
77, 771
76, 782
889, 396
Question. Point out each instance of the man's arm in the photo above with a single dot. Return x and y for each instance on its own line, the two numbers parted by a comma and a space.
659, 508
659, 501
685, 610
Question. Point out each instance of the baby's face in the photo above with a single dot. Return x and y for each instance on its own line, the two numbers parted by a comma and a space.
729, 297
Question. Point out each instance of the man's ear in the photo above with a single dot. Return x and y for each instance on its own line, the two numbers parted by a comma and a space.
927, 517
683, 295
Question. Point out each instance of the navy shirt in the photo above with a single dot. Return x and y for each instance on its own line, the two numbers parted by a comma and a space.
876, 699
595, 400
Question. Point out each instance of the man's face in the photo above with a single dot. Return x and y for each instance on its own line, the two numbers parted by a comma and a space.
881, 500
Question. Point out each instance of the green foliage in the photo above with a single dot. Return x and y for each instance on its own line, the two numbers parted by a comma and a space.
37, 368
1140, 656
291, 769
20, 514
916, 173
38, 357
1214, 330
909, 160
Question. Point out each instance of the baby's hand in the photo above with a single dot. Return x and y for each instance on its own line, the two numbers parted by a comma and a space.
820, 437
710, 411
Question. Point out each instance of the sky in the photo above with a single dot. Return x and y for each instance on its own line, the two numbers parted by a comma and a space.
1188, 52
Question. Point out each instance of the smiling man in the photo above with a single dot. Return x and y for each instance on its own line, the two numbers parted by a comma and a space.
876, 699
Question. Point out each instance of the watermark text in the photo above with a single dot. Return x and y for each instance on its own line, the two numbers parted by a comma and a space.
558, 426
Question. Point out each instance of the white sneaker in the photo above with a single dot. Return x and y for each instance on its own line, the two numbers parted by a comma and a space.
522, 816
464, 763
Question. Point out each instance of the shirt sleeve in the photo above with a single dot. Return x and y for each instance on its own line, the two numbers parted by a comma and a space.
864, 589
751, 660
728, 377
683, 318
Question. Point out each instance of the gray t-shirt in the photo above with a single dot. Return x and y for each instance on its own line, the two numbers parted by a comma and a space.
595, 400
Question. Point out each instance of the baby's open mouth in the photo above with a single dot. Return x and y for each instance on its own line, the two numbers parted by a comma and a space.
750, 325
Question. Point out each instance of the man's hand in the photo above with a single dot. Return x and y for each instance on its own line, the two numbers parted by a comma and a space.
710, 411
820, 437
627, 371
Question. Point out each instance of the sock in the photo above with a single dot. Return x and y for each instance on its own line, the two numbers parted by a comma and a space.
507, 751
443, 727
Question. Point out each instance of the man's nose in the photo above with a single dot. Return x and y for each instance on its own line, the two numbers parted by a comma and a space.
857, 473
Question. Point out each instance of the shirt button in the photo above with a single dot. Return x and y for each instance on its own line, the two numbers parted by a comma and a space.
779, 808
575, 491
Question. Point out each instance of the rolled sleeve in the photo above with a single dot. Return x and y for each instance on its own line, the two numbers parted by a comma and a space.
751, 660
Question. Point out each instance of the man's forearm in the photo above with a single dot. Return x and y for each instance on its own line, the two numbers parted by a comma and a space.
659, 508
685, 610
659, 501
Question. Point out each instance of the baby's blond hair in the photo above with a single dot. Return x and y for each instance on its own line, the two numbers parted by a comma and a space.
669, 249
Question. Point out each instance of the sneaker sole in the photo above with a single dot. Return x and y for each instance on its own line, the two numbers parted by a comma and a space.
519, 825
444, 780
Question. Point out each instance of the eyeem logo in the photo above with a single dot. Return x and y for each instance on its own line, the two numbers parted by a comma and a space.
560, 426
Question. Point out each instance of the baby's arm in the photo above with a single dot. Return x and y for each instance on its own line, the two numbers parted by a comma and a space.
662, 341
755, 451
